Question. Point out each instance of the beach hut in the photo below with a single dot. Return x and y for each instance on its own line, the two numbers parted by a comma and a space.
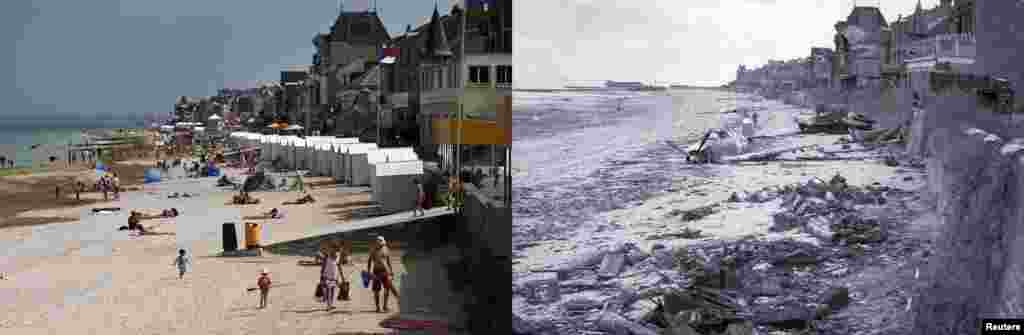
393, 188
299, 147
275, 147
329, 156
285, 152
316, 151
340, 169
306, 150
323, 154
264, 144
360, 172
293, 146
386, 155
335, 148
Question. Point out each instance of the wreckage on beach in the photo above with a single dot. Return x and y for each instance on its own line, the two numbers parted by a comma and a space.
732, 139
835, 123
716, 143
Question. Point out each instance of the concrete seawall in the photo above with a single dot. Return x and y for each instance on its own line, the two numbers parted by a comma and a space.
978, 272
459, 269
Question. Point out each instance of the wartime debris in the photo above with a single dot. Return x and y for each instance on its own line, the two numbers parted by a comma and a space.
835, 123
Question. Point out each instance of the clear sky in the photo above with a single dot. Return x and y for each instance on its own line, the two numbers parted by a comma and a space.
696, 42
89, 62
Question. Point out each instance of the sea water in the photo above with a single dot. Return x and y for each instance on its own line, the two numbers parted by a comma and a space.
30, 147
578, 154
17, 144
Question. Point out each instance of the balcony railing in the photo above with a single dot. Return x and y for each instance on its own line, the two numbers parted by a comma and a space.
947, 45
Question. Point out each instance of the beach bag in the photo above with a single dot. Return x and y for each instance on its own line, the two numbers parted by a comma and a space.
366, 279
343, 289
319, 291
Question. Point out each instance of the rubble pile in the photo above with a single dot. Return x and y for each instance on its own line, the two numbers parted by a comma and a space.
826, 210
734, 287
754, 285
694, 214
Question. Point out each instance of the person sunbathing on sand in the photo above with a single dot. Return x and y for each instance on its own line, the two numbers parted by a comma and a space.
301, 201
133, 223
169, 213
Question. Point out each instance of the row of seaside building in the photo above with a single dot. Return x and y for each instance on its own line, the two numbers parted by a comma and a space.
889, 69
402, 90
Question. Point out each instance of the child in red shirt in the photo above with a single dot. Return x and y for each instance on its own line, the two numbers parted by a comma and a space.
264, 285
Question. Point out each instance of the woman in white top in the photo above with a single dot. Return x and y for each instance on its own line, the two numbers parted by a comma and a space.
331, 274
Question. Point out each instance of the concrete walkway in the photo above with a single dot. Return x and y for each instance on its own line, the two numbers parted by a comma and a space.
370, 223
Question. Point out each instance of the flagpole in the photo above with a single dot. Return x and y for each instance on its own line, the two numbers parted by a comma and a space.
378, 102
463, 76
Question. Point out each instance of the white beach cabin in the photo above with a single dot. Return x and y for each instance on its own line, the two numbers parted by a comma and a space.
360, 172
395, 169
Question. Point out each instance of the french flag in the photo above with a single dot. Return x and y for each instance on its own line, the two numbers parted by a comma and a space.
480, 7
387, 55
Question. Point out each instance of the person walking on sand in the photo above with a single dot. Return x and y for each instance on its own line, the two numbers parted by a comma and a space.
182, 261
115, 182
104, 186
379, 265
453, 191
329, 275
79, 187
263, 283
421, 199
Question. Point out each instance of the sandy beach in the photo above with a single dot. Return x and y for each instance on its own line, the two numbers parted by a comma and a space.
83, 276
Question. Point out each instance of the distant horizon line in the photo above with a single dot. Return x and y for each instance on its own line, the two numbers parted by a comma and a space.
71, 125
569, 87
